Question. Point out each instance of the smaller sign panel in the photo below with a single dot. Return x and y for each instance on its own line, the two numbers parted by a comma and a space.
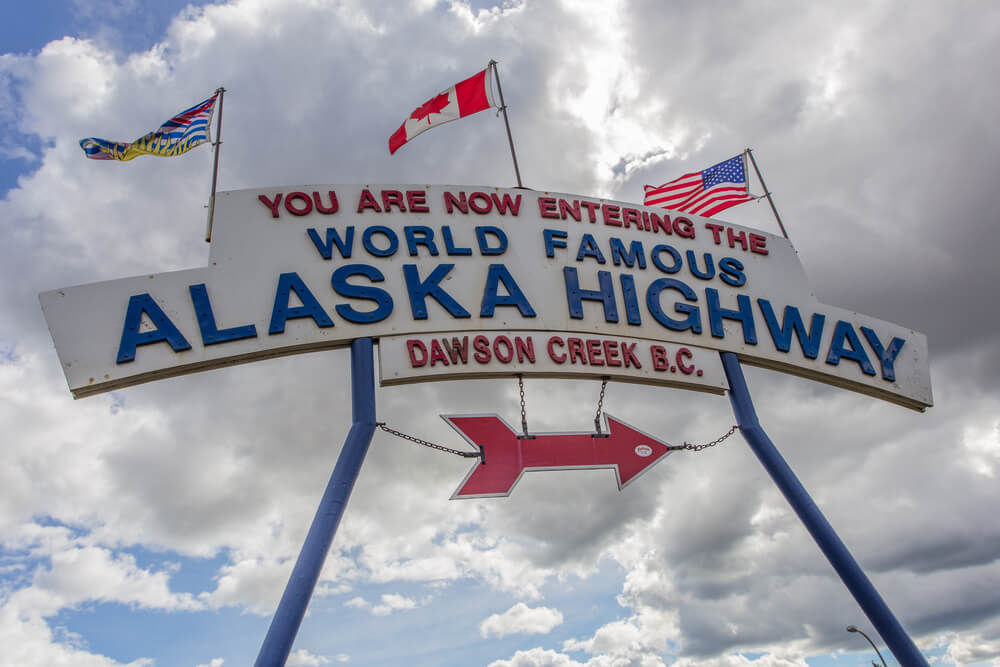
486, 354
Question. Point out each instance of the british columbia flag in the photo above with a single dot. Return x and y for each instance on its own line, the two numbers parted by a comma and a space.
178, 135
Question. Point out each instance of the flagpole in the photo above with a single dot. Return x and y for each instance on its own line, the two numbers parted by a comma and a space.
503, 107
767, 193
215, 168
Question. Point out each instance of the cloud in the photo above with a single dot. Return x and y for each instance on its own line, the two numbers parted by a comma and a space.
304, 658
537, 657
970, 649
93, 573
390, 602
214, 662
78, 575
521, 619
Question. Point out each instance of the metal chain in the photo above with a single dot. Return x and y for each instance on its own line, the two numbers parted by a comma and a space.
697, 448
524, 415
600, 405
425, 443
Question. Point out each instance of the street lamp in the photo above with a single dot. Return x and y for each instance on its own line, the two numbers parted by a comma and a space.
851, 628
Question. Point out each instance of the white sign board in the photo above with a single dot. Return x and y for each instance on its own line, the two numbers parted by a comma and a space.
423, 357
303, 268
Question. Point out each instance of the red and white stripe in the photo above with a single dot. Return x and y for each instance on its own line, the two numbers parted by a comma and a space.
675, 193
688, 194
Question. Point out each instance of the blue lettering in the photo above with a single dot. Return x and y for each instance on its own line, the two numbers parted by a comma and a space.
426, 239
693, 321
886, 355
345, 246
743, 315
635, 254
498, 273
631, 298
449, 243
554, 238
588, 248
670, 250
381, 298
165, 329
844, 333
366, 240
575, 296
420, 290
709, 271
731, 272
484, 242
791, 323
282, 312
210, 333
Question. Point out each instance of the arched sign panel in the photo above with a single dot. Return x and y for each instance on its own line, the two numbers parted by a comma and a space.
466, 281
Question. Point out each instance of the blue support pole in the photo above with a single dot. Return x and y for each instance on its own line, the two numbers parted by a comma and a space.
840, 558
292, 607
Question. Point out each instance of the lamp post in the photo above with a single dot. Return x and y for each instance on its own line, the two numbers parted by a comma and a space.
851, 628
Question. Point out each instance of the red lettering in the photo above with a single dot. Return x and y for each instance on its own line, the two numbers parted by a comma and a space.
556, 340
392, 198
367, 200
417, 201
572, 211
450, 201
594, 352
736, 237
503, 354
575, 350
525, 350
332, 208
628, 355
273, 205
611, 215
660, 361
758, 244
684, 227
437, 354
481, 344
298, 196
611, 353
505, 204
485, 207
630, 216
547, 207
414, 347
682, 354
659, 223
458, 349
716, 231
591, 207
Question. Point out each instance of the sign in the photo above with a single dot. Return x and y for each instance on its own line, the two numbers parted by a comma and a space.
304, 268
472, 354
506, 456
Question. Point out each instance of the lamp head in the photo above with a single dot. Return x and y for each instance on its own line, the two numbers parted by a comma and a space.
851, 628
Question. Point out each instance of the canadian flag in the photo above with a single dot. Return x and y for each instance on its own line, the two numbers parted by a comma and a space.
463, 99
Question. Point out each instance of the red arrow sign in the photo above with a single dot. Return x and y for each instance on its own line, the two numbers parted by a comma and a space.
626, 450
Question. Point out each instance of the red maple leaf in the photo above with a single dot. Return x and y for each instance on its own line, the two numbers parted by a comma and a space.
433, 105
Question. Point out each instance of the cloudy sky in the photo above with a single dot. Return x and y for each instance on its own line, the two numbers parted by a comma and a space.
157, 525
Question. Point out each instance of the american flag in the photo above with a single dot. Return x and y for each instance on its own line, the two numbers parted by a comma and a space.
178, 135
705, 192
